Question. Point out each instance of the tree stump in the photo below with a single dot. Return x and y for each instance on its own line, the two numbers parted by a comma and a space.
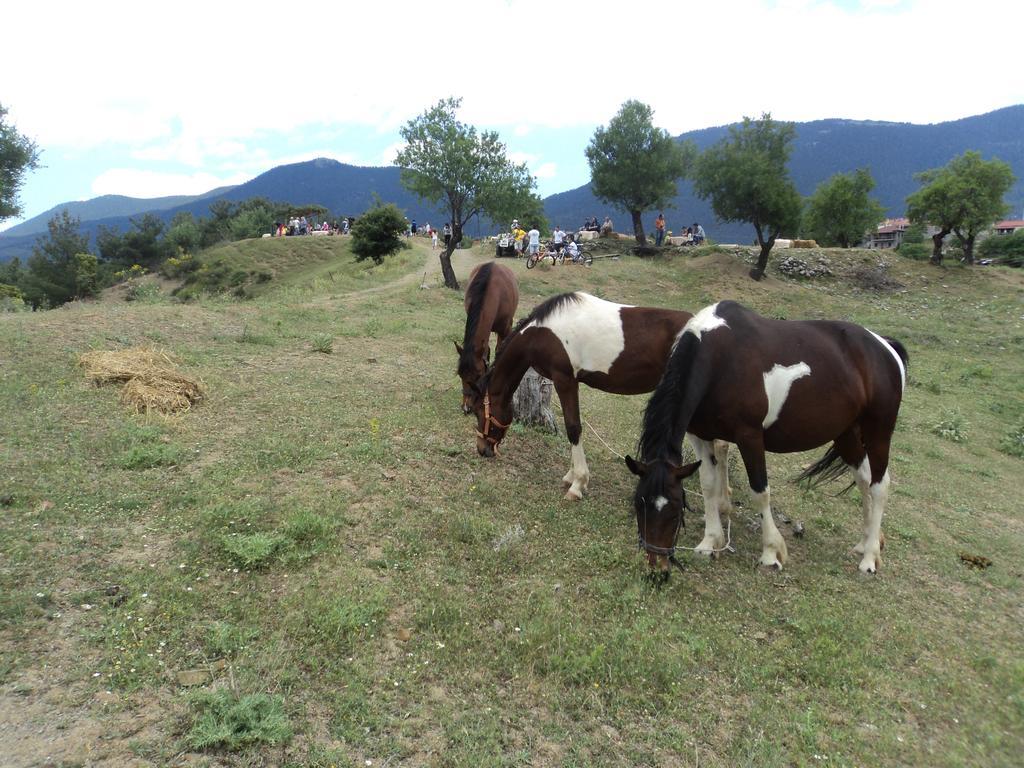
531, 403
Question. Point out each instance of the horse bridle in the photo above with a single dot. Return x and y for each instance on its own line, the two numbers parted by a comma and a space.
488, 420
669, 552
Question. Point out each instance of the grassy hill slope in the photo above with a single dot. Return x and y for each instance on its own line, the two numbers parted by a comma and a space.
316, 549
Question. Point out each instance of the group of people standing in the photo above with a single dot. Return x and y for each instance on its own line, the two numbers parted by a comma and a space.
298, 225
691, 236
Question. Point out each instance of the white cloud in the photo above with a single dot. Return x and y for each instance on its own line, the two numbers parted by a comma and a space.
204, 86
545, 171
387, 157
139, 183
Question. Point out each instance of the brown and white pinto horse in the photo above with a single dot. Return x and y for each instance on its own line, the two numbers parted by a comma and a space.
576, 338
769, 385
491, 300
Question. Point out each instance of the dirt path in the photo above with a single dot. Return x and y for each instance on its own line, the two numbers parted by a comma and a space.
429, 274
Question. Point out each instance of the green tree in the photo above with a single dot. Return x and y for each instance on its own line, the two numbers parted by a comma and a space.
447, 163
184, 233
745, 177
86, 275
18, 154
378, 233
141, 244
963, 197
840, 211
634, 165
51, 276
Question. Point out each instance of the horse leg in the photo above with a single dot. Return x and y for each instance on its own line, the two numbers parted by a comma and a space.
773, 546
722, 465
578, 477
878, 493
715, 497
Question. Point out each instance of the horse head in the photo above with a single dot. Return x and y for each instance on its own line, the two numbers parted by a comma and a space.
470, 369
493, 417
659, 502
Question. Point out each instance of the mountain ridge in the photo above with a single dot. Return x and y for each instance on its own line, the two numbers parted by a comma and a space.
892, 151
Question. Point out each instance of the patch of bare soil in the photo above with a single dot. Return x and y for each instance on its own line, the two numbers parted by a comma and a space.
47, 719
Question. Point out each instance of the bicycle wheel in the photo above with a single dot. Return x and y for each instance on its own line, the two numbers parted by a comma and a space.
531, 261
588, 259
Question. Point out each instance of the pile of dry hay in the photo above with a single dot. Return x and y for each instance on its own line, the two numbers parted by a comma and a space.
151, 382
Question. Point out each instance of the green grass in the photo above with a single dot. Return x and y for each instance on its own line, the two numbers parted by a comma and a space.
320, 536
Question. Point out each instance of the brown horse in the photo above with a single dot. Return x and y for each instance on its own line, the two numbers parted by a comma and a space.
576, 338
491, 300
769, 385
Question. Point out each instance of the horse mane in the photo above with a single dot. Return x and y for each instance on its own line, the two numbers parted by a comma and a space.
475, 294
542, 311
674, 402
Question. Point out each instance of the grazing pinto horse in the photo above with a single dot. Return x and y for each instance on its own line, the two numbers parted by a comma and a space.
491, 300
768, 385
573, 338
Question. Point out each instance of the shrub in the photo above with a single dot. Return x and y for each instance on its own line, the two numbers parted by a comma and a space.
223, 719
951, 426
323, 343
1007, 249
251, 550
378, 233
1013, 442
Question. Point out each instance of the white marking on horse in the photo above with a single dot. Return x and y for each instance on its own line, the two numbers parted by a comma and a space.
660, 502
704, 321
896, 356
590, 331
777, 383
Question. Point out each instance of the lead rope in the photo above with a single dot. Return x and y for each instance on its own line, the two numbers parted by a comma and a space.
727, 547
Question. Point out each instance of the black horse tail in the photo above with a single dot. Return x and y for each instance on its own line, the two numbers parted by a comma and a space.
829, 467
679, 393
900, 350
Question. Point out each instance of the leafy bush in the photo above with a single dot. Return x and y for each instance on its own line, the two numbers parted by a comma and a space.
913, 245
1013, 442
378, 233
224, 719
323, 343
178, 266
252, 550
951, 426
1008, 249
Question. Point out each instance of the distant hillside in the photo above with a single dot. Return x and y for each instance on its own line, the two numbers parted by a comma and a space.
107, 206
346, 190
893, 152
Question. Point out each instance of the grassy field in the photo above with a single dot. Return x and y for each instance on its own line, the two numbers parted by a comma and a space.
312, 567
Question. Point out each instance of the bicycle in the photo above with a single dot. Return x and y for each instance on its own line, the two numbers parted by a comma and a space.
542, 253
558, 257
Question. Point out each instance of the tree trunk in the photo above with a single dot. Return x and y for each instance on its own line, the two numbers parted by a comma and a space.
531, 403
450, 281
967, 243
638, 228
937, 239
762, 259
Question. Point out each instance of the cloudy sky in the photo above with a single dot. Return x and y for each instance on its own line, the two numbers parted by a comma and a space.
150, 99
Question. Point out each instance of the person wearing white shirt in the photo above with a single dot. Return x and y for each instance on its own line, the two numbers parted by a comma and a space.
534, 236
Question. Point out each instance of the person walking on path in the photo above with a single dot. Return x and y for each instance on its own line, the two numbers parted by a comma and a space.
659, 230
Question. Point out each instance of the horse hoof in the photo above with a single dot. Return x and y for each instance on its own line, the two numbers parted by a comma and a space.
870, 565
572, 495
770, 563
